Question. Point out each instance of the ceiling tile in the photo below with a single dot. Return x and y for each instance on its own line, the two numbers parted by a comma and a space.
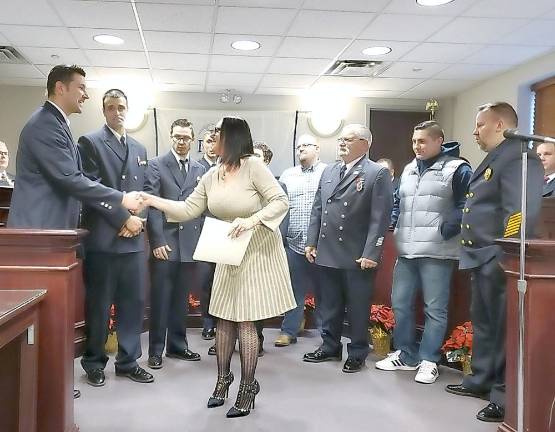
92, 72
107, 58
217, 88
178, 42
35, 36
96, 14
510, 55
471, 71
407, 27
311, 47
438, 88
476, 30
398, 50
180, 77
267, 3
413, 70
248, 64
173, 87
392, 84
549, 15
411, 7
289, 81
44, 55
35, 12
171, 17
19, 71
441, 52
254, 21
198, 62
233, 80
84, 37
222, 44
346, 5
280, 91
189, 2
121, 76
329, 24
299, 66
537, 32
379, 93
510, 8
33, 82
3, 40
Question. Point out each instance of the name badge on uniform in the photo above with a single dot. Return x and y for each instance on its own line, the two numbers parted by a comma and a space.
141, 162
359, 184
198, 179
488, 173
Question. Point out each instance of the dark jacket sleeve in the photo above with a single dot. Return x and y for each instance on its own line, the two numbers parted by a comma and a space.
396, 208
155, 219
315, 218
451, 226
284, 225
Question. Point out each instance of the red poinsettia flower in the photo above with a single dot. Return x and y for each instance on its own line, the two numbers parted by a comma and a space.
383, 317
460, 339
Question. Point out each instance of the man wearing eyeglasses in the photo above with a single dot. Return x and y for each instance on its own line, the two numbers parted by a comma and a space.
173, 176
6, 179
349, 218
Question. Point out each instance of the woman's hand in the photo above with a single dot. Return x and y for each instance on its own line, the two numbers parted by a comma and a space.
240, 225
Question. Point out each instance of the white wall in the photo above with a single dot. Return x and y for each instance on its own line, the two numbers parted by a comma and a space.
513, 87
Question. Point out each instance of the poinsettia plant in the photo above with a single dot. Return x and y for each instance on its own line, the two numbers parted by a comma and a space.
309, 302
112, 320
382, 318
459, 343
193, 301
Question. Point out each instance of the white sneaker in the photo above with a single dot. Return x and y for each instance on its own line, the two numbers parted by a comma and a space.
393, 362
427, 372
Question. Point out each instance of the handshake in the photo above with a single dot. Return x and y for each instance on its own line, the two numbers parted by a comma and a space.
135, 202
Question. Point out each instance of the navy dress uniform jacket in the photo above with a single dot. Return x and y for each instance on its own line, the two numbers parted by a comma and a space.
350, 216
492, 208
549, 189
105, 160
50, 184
165, 179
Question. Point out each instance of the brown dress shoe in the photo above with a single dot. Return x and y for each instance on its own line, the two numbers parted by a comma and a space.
284, 340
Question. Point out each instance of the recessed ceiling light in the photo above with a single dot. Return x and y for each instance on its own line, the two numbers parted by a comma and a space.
376, 51
108, 39
417, 69
245, 45
433, 2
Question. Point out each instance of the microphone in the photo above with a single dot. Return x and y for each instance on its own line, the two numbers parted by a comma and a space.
515, 134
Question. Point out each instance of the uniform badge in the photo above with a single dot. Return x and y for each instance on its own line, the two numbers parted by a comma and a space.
141, 162
198, 179
488, 173
359, 184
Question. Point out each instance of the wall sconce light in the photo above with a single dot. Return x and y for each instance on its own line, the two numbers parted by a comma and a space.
432, 106
227, 96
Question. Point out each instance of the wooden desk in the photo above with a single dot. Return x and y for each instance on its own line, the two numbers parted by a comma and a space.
19, 325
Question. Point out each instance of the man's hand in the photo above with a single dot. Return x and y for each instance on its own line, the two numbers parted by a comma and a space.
162, 252
366, 263
133, 201
310, 253
133, 227
239, 226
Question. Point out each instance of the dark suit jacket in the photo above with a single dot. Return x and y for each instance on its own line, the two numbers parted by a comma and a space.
49, 184
350, 217
284, 225
204, 163
104, 160
165, 179
549, 189
493, 203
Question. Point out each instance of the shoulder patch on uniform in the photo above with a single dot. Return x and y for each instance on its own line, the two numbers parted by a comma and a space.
513, 224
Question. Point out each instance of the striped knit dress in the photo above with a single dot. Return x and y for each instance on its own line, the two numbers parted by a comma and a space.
260, 287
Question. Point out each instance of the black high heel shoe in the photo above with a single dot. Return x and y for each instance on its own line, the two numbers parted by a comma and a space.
221, 391
245, 400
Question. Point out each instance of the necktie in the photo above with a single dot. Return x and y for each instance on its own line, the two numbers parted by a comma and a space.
122, 141
342, 171
183, 167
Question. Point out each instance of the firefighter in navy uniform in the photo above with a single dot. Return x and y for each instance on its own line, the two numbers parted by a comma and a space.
492, 211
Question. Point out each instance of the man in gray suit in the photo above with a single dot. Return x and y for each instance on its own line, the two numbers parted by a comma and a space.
492, 211
173, 176
115, 261
6, 179
546, 153
350, 216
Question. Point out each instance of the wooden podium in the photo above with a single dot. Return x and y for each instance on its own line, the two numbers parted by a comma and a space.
539, 325
47, 259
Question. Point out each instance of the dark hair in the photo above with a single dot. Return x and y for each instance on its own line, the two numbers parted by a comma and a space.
388, 161
502, 109
433, 128
113, 93
63, 73
184, 123
236, 139
266, 152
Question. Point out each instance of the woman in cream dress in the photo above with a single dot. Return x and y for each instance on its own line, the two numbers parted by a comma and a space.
242, 190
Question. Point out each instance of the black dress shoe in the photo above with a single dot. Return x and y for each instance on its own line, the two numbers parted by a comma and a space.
212, 350
96, 377
492, 413
186, 355
155, 362
138, 375
461, 390
319, 356
76, 394
353, 365
208, 334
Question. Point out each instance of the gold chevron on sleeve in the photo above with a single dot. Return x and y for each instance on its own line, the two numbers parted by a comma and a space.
513, 225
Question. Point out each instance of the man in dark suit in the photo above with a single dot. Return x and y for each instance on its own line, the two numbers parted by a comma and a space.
546, 153
115, 261
49, 184
173, 176
388, 163
350, 216
492, 211
6, 179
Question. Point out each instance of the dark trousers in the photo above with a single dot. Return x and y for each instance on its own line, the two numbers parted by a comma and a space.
119, 279
169, 293
206, 276
488, 314
350, 289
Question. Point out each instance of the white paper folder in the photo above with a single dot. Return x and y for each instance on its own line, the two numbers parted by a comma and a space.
215, 245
